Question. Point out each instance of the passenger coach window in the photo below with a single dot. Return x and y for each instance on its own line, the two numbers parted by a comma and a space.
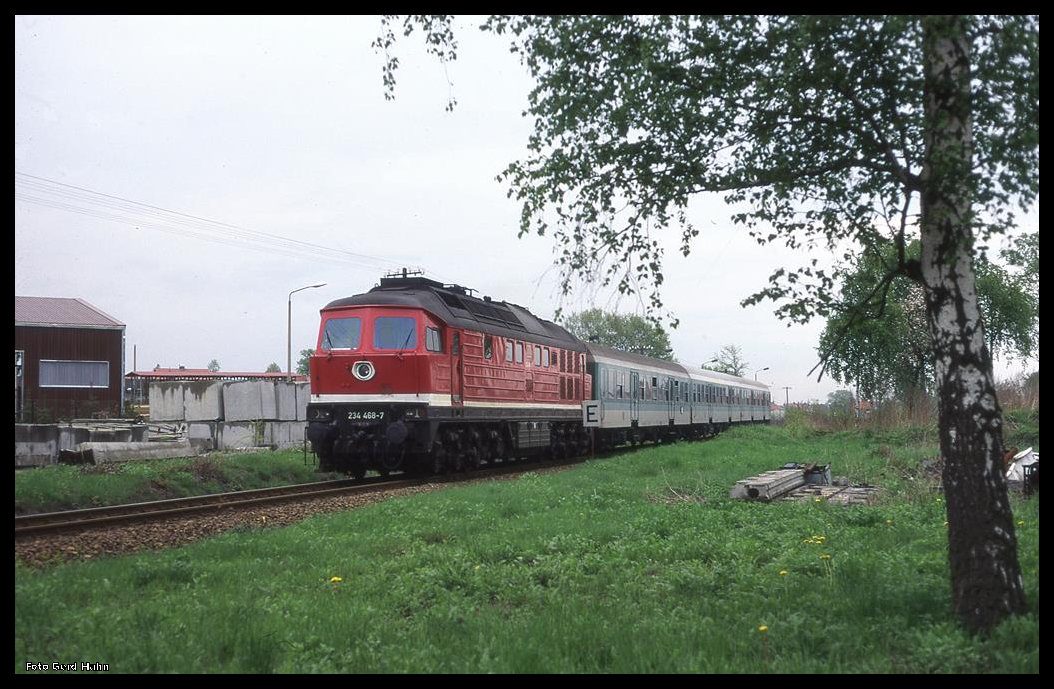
394, 332
342, 333
433, 342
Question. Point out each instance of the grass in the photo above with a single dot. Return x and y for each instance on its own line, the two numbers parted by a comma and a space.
62, 487
635, 564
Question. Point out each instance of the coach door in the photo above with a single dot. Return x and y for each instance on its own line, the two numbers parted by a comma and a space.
457, 374
634, 405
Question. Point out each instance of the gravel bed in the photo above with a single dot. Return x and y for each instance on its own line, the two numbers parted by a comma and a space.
44, 549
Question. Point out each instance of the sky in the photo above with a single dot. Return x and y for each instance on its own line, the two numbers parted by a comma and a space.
185, 174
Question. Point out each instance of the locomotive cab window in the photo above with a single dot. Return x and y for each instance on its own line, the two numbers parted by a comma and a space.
341, 333
394, 332
433, 342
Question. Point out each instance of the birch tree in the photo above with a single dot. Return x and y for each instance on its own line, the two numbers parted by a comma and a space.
835, 135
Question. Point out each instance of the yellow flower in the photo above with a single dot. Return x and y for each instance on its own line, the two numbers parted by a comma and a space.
783, 572
763, 628
1020, 522
335, 580
817, 500
825, 557
889, 522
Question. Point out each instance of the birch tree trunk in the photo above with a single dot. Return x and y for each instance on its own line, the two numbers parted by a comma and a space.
982, 547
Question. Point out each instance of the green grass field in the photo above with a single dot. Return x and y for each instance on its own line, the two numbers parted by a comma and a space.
633, 564
62, 487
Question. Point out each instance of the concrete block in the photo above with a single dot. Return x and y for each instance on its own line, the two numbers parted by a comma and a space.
203, 400
284, 434
36, 444
166, 401
285, 401
249, 400
202, 435
303, 396
238, 436
105, 453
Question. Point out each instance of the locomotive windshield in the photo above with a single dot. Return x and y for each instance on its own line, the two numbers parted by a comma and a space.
342, 333
394, 332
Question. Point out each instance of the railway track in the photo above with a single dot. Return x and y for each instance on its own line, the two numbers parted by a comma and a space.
73, 520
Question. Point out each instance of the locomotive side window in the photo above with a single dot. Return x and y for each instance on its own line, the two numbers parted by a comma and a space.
394, 332
508, 350
455, 347
342, 333
537, 355
519, 352
545, 358
488, 347
433, 342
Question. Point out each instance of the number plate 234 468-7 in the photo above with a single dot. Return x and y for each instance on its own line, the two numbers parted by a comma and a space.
366, 415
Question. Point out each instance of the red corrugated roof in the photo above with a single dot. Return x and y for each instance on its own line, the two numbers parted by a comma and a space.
61, 311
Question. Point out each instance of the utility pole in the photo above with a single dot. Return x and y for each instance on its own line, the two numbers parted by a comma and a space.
786, 391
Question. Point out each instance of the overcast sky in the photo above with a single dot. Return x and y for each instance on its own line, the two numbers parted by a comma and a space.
184, 174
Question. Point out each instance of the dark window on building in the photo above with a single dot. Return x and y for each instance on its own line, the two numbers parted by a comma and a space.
74, 374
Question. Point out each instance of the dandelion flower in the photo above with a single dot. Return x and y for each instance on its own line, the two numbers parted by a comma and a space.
825, 557
1020, 522
763, 628
335, 580
889, 522
783, 572
817, 500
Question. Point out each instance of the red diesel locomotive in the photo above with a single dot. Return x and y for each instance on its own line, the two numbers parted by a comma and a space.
416, 375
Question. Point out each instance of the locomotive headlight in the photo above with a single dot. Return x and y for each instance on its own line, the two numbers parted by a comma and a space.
363, 370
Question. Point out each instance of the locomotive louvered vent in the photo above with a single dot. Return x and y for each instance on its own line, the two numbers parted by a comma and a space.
451, 300
494, 313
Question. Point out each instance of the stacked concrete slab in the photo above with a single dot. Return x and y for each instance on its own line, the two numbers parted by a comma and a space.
234, 414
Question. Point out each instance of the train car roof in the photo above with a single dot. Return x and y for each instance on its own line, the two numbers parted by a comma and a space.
608, 355
709, 376
455, 306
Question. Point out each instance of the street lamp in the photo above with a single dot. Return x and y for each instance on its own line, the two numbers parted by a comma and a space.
712, 361
759, 371
289, 332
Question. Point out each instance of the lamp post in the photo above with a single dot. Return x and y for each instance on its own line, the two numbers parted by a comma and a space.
289, 332
712, 361
759, 371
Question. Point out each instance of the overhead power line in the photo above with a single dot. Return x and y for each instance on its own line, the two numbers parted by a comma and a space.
67, 197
